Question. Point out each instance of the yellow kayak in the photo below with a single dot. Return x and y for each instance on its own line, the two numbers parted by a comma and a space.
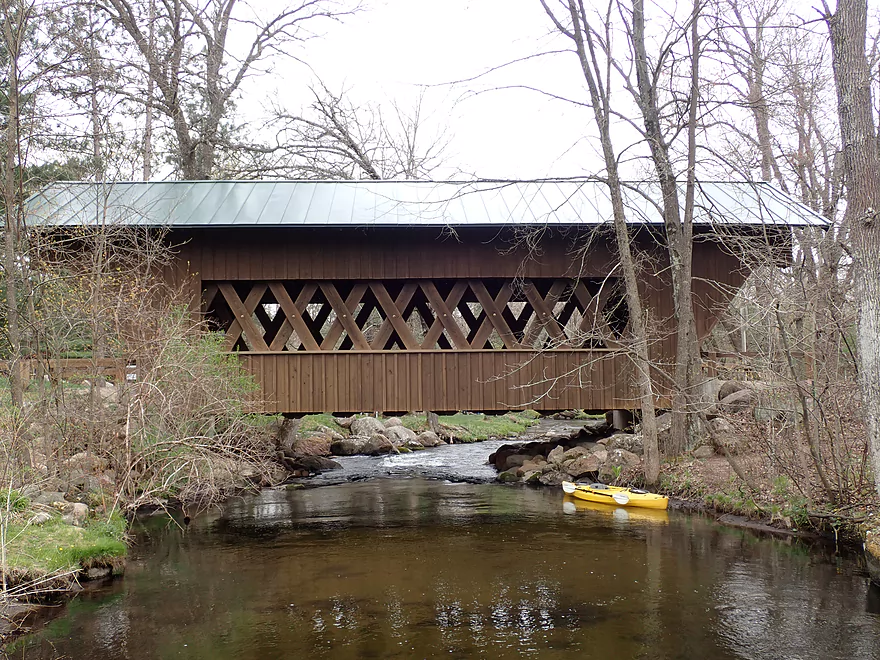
615, 495
629, 513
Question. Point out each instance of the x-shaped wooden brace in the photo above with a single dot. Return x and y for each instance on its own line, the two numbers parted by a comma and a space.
593, 319
544, 316
293, 316
394, 321
242, 313
443, 318
344, 317
493, 316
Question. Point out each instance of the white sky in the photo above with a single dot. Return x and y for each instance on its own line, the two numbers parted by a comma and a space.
394, 46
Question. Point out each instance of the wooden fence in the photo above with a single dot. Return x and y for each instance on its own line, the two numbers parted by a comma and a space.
69, 368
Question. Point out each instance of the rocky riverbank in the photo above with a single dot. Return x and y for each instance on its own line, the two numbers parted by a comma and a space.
307, 446
52, 547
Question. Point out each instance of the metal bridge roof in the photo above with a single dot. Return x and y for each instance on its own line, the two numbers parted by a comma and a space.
193, 204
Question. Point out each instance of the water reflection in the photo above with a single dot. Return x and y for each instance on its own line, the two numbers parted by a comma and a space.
403, 569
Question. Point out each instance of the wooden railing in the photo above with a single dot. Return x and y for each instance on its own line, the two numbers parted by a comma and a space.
69, 368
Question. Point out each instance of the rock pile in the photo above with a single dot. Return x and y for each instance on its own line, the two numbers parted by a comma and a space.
304, 455
591, 453
371, 436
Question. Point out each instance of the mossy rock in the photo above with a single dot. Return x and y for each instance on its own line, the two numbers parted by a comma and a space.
508, 477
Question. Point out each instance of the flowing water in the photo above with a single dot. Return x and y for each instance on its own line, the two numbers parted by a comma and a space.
417, 568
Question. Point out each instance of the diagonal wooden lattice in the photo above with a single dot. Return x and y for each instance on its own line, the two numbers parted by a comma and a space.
487, 314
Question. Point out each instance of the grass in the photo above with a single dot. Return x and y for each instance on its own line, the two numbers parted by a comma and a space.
472, 426
310, 423
37, 550
478, 426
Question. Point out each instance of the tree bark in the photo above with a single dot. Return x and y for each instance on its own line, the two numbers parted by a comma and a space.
12, 34
581, 34
679, 235
848, 28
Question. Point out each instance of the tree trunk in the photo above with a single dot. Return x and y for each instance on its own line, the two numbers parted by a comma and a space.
848, 27
600, 102
679, 237
11, 35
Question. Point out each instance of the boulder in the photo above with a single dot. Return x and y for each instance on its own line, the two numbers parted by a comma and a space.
617, 461
81, 461
413, 445
724, 433
377, 444
315, 445
631, 442
508, 476
534, 464
49, 497
553, 478
391, 422
601, 456
400, 435
729, 387
737, 402
515, 461
347, 446
108, 393
556, 455
429, 439
549, 467
531, 477
499, 457
595, 427
40, 518
314, 464
344, 422
79, 513
366, 426
575, 452
29, 491
330, 433
703, 451
582, 465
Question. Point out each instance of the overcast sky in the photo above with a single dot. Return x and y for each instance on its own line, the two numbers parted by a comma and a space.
395, 46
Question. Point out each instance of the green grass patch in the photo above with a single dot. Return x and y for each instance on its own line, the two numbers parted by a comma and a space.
310, 424
12, 500
36, 550
482, 427
478, 426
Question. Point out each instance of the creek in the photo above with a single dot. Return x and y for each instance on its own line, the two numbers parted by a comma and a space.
396, 565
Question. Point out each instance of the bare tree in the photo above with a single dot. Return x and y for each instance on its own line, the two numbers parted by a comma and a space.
852, 74
337, 139
17, 16
575, 25
184, 55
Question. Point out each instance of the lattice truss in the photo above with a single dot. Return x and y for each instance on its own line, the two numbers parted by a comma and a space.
488, 314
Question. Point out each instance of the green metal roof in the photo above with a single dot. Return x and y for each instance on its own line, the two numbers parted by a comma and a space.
394, 204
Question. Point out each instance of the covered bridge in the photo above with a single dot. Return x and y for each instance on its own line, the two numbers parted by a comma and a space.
347, 296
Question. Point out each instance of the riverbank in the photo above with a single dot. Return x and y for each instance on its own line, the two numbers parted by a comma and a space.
49, 547
735, 487
403, 568
530, 450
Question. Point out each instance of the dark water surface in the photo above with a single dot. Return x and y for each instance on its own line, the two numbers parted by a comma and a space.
410, 568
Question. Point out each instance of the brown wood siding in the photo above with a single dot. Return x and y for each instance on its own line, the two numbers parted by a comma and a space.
350, 381
400, 381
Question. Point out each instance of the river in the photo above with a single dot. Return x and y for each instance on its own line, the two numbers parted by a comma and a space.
410, 567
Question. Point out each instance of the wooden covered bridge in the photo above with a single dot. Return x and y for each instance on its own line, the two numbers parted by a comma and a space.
395, 296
